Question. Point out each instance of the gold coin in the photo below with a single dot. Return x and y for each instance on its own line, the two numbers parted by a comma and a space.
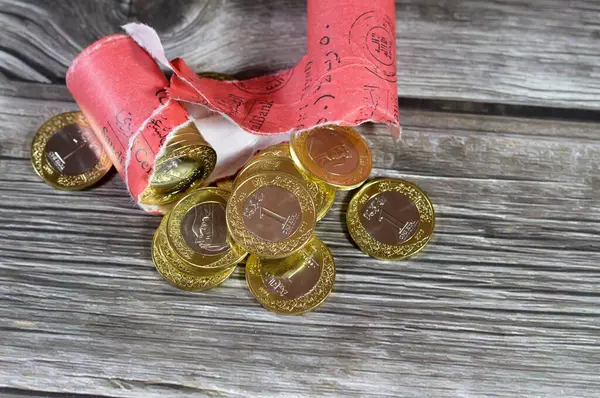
390, 219
279, 150
336, 155
181, 172
294, 284
188, 159
66, 153
197, 232
322, 194
271, 214
164, 259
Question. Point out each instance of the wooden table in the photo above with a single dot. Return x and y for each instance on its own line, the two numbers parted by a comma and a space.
500, 103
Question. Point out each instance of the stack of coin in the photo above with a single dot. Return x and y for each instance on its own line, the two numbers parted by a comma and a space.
66, 153
277, 199
269, 210
191, 247
186, 162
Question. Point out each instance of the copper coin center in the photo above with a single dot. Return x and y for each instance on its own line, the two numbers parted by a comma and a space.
204, 228
332, 151
272, 213
73, 150
294, 277
390, 217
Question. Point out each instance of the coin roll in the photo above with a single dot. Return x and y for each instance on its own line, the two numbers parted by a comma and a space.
66, 153
133, 119
196, 231
271, 214
337, 155
294, 284
390, 219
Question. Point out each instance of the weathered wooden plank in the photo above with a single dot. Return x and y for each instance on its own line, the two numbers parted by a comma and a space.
503, 302
520, 52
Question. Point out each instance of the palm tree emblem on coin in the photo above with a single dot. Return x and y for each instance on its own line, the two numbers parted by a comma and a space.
61, 161
376, 209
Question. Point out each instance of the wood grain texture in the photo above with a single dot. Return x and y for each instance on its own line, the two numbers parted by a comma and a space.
503, 302
542, 52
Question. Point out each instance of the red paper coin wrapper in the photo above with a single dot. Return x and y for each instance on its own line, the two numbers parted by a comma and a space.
347, 77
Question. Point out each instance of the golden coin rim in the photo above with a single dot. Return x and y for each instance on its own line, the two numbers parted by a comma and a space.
151, 197
194, 262
311, 300
268, 163
383, 251
277, 150
254, 244
346, 182
50, 175
179, 279
328, 193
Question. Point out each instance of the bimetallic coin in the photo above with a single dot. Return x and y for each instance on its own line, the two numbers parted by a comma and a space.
197, 232
165, 260
322, 194
336, 155
187, 161
390, 219
169, 174
189, 180
66, 153
294, 284
271, 214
